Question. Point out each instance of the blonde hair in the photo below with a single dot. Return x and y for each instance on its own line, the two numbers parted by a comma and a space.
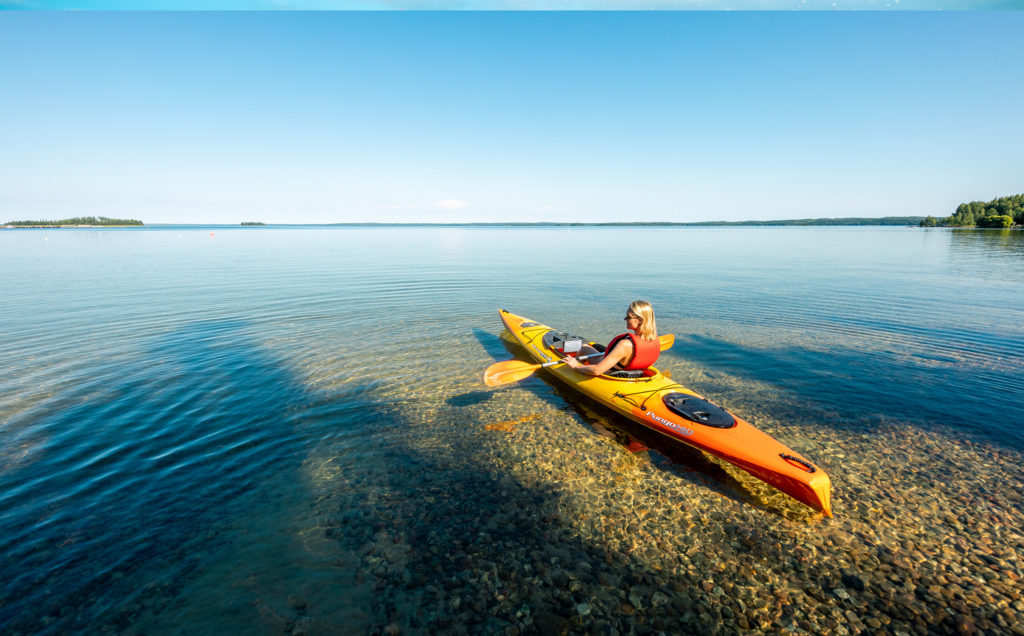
642, 309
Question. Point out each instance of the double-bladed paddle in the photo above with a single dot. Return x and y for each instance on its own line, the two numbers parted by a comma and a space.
509, 371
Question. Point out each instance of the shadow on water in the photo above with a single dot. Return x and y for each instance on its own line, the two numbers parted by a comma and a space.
498, 349
120, 502
866, 392
451, 544
492, 344
471, 398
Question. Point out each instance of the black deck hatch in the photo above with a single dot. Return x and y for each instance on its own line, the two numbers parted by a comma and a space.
699, 410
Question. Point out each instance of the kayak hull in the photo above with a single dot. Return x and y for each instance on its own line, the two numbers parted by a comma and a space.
643, 401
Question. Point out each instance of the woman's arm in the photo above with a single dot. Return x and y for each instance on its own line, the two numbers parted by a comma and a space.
621, 353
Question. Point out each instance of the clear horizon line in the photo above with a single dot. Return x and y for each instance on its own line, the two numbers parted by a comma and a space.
818, 220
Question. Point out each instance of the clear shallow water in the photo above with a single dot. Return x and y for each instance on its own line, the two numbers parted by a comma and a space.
277, 429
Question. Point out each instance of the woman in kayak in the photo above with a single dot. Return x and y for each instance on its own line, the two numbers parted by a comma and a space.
630, 351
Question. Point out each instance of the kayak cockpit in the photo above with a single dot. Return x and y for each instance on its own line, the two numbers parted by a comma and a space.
632, 374
566, 344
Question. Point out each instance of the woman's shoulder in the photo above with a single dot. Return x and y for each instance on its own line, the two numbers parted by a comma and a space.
625, 340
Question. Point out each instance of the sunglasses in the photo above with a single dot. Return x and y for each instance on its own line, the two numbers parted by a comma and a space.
632, 318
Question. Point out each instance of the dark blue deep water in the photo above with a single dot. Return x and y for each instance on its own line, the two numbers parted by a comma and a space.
209, 429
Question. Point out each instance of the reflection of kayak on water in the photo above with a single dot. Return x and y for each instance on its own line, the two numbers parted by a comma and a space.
665, 406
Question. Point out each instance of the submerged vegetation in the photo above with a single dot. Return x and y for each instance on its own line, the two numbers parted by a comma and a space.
78, 220
997, 213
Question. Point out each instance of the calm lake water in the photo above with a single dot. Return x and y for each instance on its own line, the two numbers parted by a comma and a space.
269, 430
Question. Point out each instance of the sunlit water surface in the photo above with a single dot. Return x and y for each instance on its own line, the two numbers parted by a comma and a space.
285, 429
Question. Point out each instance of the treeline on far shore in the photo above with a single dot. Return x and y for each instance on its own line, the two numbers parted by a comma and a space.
78, 220
853, 220
997, 213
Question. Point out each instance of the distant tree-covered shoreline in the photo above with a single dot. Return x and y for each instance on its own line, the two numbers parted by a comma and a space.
886, 220
998, 213
78, 220
853, 220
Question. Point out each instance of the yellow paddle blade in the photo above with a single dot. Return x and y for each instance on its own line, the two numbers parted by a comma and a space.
508, 371
667, 341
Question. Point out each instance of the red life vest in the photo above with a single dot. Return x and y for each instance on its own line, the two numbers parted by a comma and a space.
645, 352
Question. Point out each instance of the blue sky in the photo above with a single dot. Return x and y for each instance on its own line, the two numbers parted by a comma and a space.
310, 117
484, 5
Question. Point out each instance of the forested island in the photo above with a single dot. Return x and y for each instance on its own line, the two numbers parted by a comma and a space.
246, 223
997, 213
77, 221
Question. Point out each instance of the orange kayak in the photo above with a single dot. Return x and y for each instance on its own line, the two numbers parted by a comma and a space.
665, 406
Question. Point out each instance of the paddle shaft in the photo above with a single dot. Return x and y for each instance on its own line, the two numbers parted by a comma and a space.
554, 362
